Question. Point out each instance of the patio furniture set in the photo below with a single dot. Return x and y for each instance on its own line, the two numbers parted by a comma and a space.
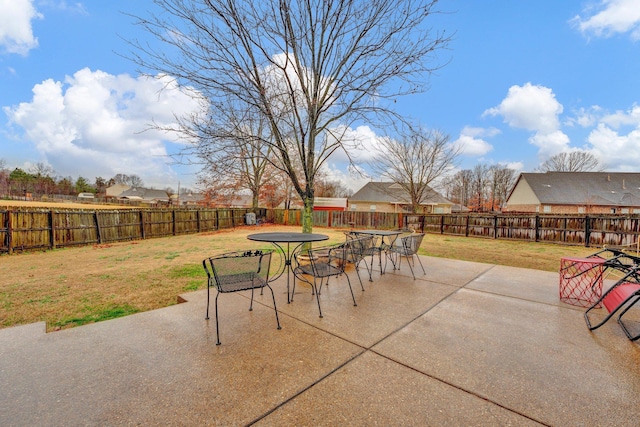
581, 282
250, 270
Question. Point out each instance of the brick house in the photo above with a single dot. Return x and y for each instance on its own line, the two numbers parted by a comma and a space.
576, 192
390, 197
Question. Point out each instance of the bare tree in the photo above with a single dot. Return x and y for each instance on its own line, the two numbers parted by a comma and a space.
130, 180
235, 158
415, 161
574, 161
501, 181
311, 68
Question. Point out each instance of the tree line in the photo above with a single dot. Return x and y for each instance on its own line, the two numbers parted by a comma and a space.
41, 179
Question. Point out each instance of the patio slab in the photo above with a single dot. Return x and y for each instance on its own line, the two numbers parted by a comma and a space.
536, 359
465, 344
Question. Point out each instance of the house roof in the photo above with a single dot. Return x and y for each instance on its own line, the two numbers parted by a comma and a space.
389, 192
578, 188
137, 193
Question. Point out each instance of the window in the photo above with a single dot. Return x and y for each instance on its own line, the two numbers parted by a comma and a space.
581, 209
546, 209
613, 210
354, 207
372, 208
624, 210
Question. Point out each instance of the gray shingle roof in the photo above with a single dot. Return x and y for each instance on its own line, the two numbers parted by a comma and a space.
145, 194
387, 192
578, 188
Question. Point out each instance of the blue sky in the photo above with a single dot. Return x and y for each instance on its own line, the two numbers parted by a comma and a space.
525, 80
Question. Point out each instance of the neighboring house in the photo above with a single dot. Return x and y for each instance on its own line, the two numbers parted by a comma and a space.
390, 197
145, 195
85, 196
116, 190
329, 204
576, 192
188, 199
458, 208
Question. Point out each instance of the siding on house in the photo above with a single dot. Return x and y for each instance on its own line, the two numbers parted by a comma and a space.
391, 198
576, 192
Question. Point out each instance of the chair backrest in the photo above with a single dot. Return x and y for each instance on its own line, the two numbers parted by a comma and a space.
324, 260
359, 246
412, 243
236, 271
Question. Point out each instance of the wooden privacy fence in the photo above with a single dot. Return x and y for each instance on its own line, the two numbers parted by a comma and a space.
586, 230
26, 229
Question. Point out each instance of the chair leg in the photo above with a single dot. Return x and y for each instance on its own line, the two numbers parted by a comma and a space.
423, 271
251, 304
623, 326
358, 273
274, 306
351, 289
317, 295
208, 287
217, 325
410, 267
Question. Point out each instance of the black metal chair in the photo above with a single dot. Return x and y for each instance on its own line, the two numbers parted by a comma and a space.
625, 292
407, 248
238, 271
359, 248
321, 263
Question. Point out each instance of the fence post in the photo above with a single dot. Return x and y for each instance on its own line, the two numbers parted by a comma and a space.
98, 230
173, 219
142, 230
587, 231
536, 233
495, 226
441, 224
52, 229
466, 227
198, 220
9, 231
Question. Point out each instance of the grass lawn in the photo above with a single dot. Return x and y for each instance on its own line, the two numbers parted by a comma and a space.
75, 286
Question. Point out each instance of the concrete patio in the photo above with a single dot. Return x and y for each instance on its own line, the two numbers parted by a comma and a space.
467, 344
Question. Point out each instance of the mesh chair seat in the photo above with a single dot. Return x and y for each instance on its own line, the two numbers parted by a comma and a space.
240, 282
235, 272
321, 263
408, 248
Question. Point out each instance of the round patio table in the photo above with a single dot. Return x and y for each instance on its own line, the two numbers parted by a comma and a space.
277, 239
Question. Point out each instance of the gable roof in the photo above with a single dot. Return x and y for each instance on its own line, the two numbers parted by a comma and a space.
139, 193
579, 188
389, 192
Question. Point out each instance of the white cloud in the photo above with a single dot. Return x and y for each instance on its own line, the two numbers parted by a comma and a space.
550, 143
611, 17
92, 124
471, 143
16, 33
354, 180
623, 118
529, 107
585, 117
534, 108
361, 142
619, 151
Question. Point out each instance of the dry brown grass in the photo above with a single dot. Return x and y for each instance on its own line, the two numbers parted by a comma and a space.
69, 287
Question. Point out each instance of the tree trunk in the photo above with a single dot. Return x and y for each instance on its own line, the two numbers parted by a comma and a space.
307, 214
